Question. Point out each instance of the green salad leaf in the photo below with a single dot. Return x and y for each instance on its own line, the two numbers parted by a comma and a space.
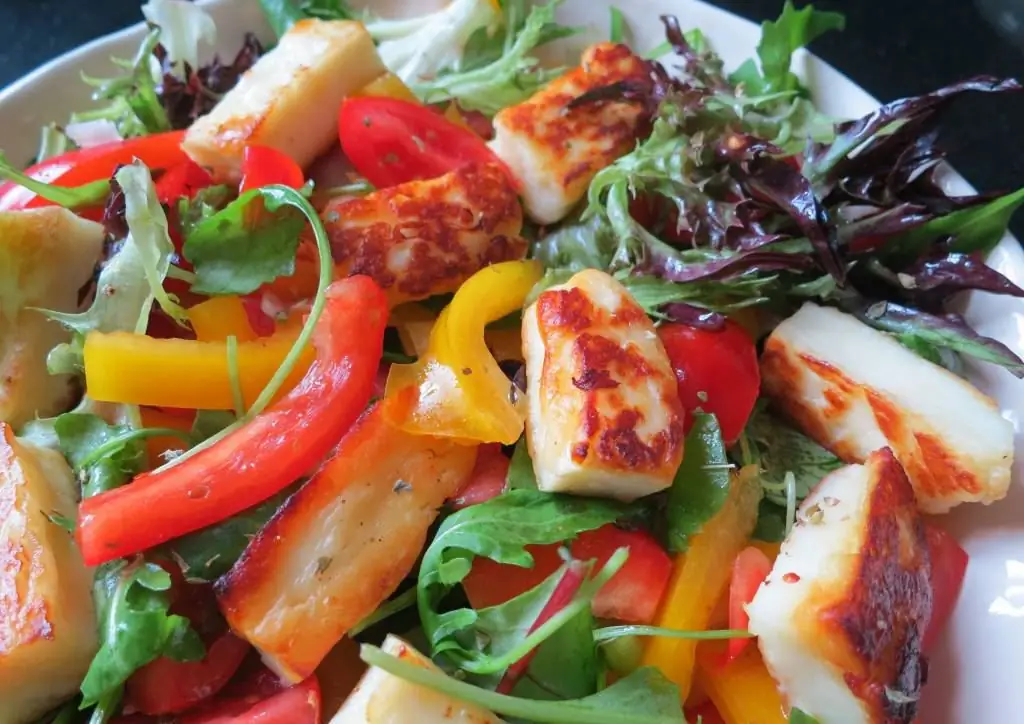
135, 626
133, 102
104, 456
520, 468
565, 666
499, 529
780, 38
240, 248
701, 484
508, 79
778, 448
796, 716
133, 277
207, 554
643, 697
617, 28
70, 197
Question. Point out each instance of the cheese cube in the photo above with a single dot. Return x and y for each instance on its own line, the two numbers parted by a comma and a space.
555, 151
855, 389
289, 100
604, 412
47, 623
841, 616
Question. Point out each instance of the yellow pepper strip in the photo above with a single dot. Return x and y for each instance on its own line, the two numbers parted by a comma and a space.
141, 370
743, 692
457, 389
413, 323
218, 318
388, 85
699, 578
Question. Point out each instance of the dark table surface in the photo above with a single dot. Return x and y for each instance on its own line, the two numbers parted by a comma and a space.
893, 48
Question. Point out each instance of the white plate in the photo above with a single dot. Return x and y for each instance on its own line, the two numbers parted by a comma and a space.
977, 674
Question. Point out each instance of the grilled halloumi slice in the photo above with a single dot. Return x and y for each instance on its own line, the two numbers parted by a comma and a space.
47, 625
855, 389
604, 412
424, 238
342, 544
841, 616
290, 99
382, 698
46, 257
556, 151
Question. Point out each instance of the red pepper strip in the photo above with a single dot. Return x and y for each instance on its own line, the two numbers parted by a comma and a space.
183, 180
265, 166
260, 458
574, 576
75, 168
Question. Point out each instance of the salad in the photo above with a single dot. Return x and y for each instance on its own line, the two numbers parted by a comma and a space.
383, 373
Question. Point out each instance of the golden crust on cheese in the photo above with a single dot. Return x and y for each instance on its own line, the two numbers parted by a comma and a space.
855, 389
46, 257
342, 544
424, 238
555, 151
290, 99
47, 624
841, 617
605, 416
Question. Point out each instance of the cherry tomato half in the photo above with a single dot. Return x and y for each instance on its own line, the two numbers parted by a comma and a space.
749, 570
487, 479
949, 566
265, 166
717, 372
392, 141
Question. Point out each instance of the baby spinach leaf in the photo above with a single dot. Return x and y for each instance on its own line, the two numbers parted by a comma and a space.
565, 666
782, 449
103, 456
242, 247
782, 37
499, 529
643, 697
701, 484
520, 468
135, 626
207, 554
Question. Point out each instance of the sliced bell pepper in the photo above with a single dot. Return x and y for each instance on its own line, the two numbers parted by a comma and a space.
159, 151
700, 577
388, 85
254, 461
183, 180
742, 692
218, 318
265, 166
457, 389
141, 370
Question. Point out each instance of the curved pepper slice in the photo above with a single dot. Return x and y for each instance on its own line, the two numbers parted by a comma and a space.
75, 168
457, 389
260, 458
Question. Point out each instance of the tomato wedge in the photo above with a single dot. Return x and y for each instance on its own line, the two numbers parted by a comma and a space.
265, 166
165, 686
749, 570
159, 151
632, 595
949, 566
487, 479
717, 372
392, 141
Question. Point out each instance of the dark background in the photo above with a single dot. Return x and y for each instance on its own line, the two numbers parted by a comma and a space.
893, 48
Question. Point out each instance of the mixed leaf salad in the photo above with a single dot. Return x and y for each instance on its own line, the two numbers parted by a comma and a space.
601, 394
